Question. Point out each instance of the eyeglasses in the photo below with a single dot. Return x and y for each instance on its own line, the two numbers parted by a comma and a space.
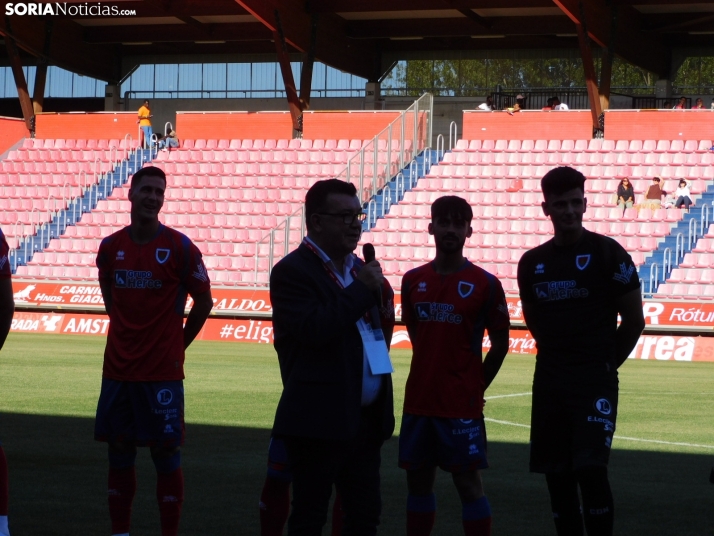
347, 219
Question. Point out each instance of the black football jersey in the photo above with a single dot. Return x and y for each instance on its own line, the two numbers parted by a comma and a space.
572, 292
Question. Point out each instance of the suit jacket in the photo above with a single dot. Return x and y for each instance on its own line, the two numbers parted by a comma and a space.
320, 351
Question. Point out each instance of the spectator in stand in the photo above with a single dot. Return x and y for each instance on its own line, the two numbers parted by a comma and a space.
549, 105
557, 105
145, 123
699, 105
520, 105
683, 196
625, 194
682, 104
667, 105
488, 105
169, 142
654, 194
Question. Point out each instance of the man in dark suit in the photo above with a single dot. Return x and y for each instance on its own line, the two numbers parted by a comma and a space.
334, 412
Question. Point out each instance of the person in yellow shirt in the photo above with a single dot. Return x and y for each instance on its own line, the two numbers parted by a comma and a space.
145, 123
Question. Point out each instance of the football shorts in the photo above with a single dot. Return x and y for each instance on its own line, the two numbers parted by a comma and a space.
455, 445
141, 413
571, 429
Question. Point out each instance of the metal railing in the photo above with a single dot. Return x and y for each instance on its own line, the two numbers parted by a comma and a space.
371, 170
238, 94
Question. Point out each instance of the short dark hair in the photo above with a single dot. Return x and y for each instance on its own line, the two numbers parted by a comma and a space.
560, 180
146, 101
656, 179
316, 196
149, 171
451, 205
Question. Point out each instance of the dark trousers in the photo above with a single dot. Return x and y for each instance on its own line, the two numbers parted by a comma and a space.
352, 466
683, 200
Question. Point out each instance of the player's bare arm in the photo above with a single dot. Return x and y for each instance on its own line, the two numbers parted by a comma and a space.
106, 288
7, 308
202, 305
629, 307
495, 356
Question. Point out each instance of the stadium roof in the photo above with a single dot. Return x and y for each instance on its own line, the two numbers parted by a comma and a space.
361, 37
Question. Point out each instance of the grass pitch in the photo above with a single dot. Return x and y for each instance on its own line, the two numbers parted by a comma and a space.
663, 451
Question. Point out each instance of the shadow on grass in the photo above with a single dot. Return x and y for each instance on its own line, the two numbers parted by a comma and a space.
58, 485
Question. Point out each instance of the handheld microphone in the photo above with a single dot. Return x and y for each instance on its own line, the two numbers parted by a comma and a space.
369, 255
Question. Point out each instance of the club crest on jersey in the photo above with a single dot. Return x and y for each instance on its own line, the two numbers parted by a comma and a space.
582, 261
120, 255
540, 268
422, 286
162, 255
465, 289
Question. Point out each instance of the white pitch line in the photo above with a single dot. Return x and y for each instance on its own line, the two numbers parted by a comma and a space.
506, 422
508, 396
665, 442
660, 442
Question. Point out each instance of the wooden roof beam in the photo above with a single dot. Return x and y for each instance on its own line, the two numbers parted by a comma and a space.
631, 43
67, 48
332, 45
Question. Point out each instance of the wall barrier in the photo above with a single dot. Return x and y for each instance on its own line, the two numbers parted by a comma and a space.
12, 130
86, 125
345, 125
528, 125
659, 125
234, 125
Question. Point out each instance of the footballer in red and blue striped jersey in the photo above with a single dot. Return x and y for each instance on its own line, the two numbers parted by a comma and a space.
7, 307
146, 273
447, 306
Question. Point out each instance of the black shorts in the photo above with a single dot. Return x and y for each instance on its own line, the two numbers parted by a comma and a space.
571, 429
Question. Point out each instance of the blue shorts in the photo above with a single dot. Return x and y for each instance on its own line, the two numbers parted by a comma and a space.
278, 463
455, 445
144, 414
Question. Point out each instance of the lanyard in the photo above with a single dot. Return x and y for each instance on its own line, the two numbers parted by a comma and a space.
333, 276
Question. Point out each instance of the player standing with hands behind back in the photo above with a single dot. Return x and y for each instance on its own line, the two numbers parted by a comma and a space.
572, 288
146, 271
447, 304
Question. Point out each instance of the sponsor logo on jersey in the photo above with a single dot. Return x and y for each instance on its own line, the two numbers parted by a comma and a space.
625, 274
608, 425
162, 255
603, 406
558, 290
135, 279
164, 397
120, 255
422, 287
465, 289
582, 261
466, 421
540, 268
436, 312
200, 272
